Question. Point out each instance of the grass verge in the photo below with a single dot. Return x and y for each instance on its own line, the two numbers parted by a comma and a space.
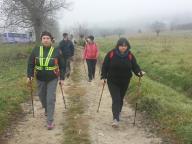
76, 128
169, 112
13, 92
164, 101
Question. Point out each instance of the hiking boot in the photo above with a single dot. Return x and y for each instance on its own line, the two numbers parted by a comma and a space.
89, 80
115, 124
50, 126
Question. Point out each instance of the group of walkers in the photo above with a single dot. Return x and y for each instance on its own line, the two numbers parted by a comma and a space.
50, 65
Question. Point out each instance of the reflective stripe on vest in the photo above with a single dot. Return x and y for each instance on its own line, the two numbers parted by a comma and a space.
46, 68
45, 65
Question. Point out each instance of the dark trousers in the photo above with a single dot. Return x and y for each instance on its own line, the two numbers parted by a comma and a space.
68, 67
117, 92
91, 63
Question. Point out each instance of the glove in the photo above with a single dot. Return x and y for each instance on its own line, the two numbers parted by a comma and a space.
29, 81
141, 73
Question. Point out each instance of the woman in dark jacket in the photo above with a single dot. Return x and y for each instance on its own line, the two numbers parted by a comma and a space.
117, 70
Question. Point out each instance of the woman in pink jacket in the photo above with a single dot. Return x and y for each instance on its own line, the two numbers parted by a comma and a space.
90, 54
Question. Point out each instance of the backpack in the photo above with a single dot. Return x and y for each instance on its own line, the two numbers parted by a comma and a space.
112, 53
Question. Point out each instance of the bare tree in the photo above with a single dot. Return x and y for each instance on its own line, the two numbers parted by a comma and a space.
157, 27
139, 31
52, 26
30, 13
81, 31
104, 32
119, 31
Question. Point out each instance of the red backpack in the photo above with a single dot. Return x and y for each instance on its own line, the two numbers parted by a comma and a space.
129, 57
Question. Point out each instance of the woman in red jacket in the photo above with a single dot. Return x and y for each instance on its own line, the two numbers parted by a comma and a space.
90, 54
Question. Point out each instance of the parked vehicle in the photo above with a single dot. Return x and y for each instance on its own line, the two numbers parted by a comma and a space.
10, 37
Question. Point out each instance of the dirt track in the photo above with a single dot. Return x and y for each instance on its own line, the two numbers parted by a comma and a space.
33, 130
100, 123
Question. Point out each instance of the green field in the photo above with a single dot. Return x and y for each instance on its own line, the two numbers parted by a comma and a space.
167, 87
13, 90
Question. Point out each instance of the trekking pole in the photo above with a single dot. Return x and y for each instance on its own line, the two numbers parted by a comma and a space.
100, 69
101, 96
138, 94
63, 95
84, 68
100, 65
32, 104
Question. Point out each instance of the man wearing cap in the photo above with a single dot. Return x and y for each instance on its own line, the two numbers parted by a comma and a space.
67, 49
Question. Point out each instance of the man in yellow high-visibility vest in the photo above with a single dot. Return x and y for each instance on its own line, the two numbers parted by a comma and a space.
47, 64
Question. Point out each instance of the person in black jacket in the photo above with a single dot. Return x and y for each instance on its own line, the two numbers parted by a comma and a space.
47, 64
67, 49
117, 70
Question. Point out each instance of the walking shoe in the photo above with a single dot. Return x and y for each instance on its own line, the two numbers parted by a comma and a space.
119, 116
89, 80
45, 112
50, 126
115, 124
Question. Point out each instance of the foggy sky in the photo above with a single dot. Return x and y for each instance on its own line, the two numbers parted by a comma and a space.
109, 12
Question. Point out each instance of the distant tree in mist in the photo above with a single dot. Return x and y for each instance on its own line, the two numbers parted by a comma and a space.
185, 26
36, 14
81, 31
104, 32
158, 27
172, 26
139, 31
53, 26
119, 31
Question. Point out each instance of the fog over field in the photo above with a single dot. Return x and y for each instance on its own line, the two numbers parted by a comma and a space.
125, 13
